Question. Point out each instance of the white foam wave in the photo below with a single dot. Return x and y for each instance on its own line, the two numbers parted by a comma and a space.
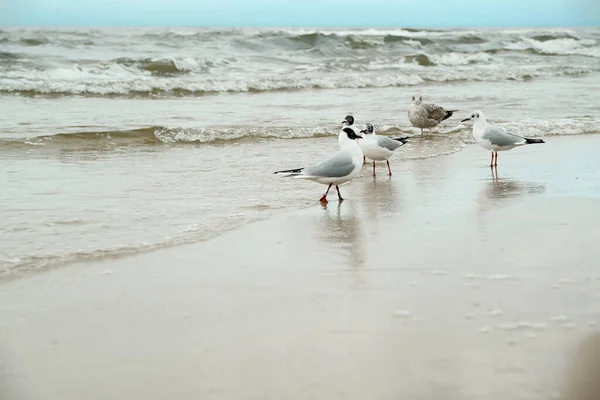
378, 32
144, 63
461, 58
120, 80
563, 46
208, 135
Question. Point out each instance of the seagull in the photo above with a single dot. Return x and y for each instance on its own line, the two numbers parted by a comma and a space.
379, 148
495, 138
426, 115
348, 122
340, 168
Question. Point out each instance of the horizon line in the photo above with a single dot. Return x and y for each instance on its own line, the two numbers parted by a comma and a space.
507, 26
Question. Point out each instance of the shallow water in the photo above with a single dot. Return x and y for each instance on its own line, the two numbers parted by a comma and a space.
101, 156
467, 285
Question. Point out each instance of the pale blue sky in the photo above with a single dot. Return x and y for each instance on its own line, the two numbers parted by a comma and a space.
310, 13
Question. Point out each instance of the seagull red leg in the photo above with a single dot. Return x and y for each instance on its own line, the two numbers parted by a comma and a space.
389, 169
324, 198
496, 161
364, 160
492, 161
374, 168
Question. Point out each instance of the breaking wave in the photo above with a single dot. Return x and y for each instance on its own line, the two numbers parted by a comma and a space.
163, 135
196, 62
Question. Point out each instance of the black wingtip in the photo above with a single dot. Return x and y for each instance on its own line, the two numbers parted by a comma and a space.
402, 140
533, 141
449, 113
289, 171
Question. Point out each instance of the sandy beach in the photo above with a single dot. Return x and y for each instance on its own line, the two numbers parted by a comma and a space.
440, 282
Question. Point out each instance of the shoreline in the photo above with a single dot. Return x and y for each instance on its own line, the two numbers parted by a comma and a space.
400, 161
441, 281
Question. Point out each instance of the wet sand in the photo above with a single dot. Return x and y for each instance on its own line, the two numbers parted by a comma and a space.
441, 282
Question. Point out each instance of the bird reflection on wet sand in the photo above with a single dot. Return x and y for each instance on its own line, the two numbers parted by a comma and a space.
381, 196
340, 230
498, 188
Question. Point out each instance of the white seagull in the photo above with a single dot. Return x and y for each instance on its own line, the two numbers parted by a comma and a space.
379, 148
426, 115
338, 169
495, 138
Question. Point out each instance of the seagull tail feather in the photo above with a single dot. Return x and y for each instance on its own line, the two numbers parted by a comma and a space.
290, 172
449, 113
533, 141
402, 140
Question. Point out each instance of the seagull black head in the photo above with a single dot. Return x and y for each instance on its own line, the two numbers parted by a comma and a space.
349, 120
351, 134
369, 128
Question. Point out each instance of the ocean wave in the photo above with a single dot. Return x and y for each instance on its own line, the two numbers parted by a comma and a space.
5, 55
403, 33
157, 135
196, 62
470, 39
165, 66
444, 68
548, 37
420, 59
165, 78
11, 268
164, 135
557, 46
191, 34
449, 59
310, 39
34, 41
352, 40
16, 267
407, 39
210, 135
76, 81
356, 39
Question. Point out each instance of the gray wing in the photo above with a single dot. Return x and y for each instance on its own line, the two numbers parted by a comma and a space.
388, 143
435, 112
338, 165
501, 137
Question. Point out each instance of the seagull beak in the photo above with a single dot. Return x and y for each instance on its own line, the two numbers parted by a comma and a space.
466, 119
358, 137
363, 131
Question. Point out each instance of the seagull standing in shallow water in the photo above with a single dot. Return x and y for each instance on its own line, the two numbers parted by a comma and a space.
495, 138
338, 169
379, 148
426, 115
